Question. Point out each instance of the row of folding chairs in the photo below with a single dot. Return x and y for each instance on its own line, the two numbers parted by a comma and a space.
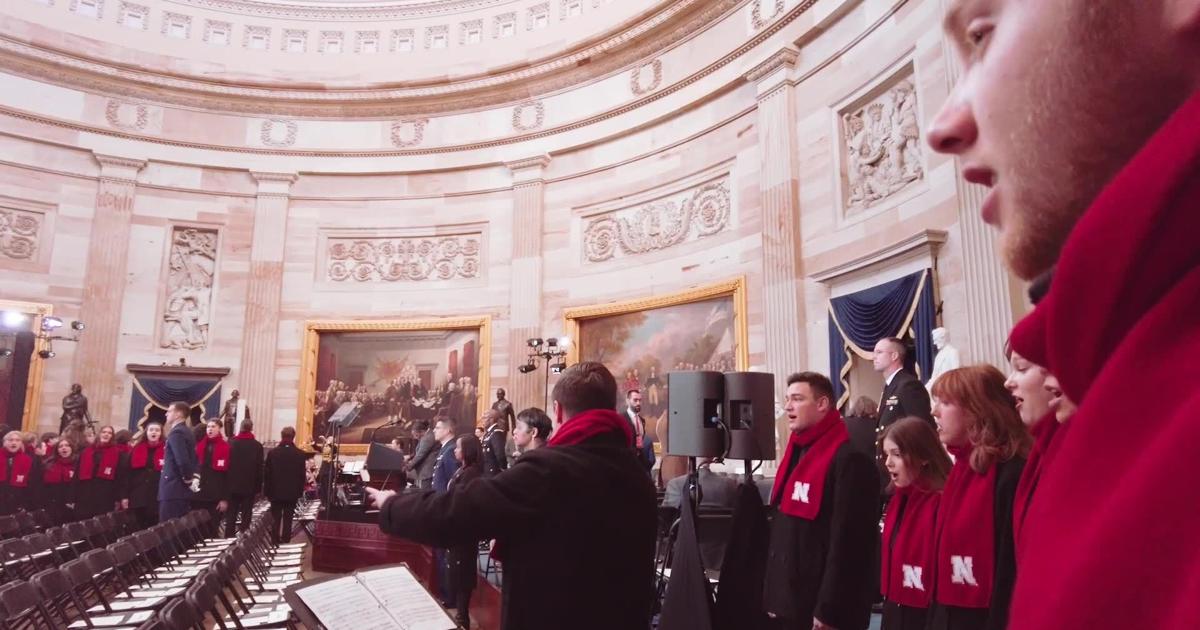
21, 556
167, 576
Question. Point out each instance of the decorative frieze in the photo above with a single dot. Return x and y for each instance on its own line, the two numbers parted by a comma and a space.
666, 222
528, 116
20, 233
278, 133
537, 16
758, 16
217, 32
187, 307
470, 32
504, 25
408, 133
176, 25
646, 77
437, 36
881, 145
403, 258
129, 116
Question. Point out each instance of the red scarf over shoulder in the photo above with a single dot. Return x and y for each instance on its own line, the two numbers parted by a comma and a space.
1109, 540
22, 463
59, 470
1044, 434
805, 484
147, 451
966, 535
220, 453
906, 569
584, 426
109, 456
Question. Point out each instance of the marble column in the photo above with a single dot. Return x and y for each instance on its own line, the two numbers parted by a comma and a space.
256, 377
783, 315
104, 286
525, 286
989, 308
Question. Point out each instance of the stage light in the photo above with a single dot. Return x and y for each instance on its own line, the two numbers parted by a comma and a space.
46, 354
5, 353
50, 324
77, 325
13, 319
534, 342
552, 342
527, 368
564, 342
557, 368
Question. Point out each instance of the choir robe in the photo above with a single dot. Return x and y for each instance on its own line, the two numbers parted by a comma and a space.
995, 617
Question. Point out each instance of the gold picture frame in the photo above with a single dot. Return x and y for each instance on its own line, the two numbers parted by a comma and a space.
312, 342
735, 288
33, 385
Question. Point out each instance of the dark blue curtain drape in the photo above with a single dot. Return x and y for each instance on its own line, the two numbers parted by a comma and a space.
149, 392
901, 308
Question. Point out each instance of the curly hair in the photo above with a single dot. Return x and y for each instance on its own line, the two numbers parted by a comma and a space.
994, 426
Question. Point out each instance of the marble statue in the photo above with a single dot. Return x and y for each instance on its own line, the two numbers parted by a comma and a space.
233, 413
75, 409
947, 357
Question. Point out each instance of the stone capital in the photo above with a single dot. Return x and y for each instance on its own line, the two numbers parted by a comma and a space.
118, 168
274, 184
773, 71
528, 170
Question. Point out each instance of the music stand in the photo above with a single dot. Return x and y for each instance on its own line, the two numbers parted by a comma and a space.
384, 459
343, 417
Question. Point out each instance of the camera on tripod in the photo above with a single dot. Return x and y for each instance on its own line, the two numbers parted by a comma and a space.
721, 415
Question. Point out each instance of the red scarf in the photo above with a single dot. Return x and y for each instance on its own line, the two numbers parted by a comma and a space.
244, 435
966, 535
1044, 433
1121, 317
220, 453
584, 426
109, 456
59, 470
906, 570
805, 484
18, 477
146, 451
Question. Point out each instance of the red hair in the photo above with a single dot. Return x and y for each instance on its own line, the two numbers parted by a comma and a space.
994, 427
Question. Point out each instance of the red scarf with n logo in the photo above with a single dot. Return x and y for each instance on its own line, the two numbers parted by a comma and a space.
109, 456
220, 453
18, 477
59, 470
966, 542
799, 491
144, 452
906, 569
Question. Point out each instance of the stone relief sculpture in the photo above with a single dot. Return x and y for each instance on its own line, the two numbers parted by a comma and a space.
660, 224
19, 233
882, 150
191, 268
394, 259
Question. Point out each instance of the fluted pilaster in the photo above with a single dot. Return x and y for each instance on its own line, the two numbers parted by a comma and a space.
525, 288
257, 373
783, 315
104, 286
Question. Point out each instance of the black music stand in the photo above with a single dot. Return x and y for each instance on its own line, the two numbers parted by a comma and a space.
384, 459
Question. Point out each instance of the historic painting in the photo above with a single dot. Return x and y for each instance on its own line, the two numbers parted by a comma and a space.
642, 340
390, 374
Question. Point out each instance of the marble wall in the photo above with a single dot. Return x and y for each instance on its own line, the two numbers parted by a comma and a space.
793, 131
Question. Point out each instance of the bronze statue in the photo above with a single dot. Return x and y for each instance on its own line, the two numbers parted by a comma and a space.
234, 412
508, 418
75, 409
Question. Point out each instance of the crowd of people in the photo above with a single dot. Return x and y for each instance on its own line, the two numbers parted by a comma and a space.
163, 470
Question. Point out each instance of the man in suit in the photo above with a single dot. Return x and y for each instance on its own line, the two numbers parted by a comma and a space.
420, 467
179, 464
494, 440
903, 393
643, 443
283, 483
245, 477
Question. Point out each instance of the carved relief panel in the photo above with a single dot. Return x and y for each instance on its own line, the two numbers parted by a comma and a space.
26, 232
690, 214
880, 144
187, 306
415, 258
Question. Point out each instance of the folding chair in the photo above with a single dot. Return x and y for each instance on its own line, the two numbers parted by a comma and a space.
21, 607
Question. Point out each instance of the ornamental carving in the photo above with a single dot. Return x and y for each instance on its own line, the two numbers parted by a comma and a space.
508, 19
408, 133
191, 267
637, 81
127, 115
439, 35
19, 233
691, 215
534, 12
278, 133
881, 147
468, 27
400, 259
528, 116
757, 19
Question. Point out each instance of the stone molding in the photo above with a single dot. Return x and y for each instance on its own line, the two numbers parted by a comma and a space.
347, 12
119, 169
380, 259
784, 57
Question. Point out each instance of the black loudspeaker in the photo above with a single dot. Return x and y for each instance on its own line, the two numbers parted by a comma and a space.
750, 414
695, 401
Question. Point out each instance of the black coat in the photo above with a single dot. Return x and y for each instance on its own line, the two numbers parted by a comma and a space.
179, 464
575, 526
283, 474
1005, 573
214, 484
464, 557
494, 459
97, 495
823, 568
14, 498
245, 467
140, 485
904, 397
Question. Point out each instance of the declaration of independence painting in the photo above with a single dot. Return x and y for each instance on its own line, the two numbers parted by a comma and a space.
397, 376
640, 341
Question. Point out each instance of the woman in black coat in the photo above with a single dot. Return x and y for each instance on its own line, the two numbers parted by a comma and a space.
99, 487
144, 469
464, 558
212, 454
20, 475
60, 474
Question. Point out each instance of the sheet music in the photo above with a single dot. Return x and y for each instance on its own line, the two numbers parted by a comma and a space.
408, 602
344, 604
